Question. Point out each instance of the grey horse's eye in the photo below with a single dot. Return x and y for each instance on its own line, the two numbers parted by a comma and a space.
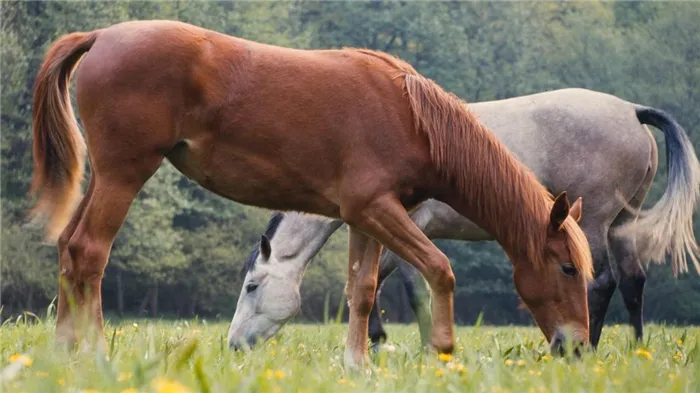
569, 269
251, 287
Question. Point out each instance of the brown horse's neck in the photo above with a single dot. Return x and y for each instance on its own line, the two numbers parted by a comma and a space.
503, 197
488, 184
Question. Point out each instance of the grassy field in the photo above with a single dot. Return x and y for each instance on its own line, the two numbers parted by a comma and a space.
191, 356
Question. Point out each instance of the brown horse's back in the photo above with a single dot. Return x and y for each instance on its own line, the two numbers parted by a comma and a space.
216, 105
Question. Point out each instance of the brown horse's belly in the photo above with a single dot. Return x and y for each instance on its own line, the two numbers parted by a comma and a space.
242, 181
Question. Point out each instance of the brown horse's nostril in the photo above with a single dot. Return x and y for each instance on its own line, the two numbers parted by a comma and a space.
561, 345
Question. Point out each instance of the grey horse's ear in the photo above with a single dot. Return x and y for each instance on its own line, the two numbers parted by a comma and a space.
265, 248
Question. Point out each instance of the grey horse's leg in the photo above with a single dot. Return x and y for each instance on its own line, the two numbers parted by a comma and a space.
377, 334
419, 297
600, 291
631, 275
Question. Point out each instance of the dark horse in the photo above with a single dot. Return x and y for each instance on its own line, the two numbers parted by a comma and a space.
351, 134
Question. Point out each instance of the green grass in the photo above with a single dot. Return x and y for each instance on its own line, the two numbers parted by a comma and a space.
143, 355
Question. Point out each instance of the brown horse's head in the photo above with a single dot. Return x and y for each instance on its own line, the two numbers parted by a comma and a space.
554, 288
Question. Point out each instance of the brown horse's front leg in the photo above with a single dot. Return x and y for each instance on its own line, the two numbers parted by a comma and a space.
363, 269
386, 220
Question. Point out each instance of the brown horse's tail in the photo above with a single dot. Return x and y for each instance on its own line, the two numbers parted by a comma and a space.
58, 147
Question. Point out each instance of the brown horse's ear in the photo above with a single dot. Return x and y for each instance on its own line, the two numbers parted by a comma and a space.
560, 211
265, 248
576, 209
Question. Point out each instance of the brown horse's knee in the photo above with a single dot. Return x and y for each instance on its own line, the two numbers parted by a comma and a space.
89, 259
363, 296
440, 275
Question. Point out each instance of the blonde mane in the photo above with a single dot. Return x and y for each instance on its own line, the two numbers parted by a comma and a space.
503, 196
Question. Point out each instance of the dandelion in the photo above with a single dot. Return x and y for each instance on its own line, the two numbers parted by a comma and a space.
61, 381
680, 341
21, 358
598, 370
269, 374
164, 385
643, 353
439, 372
279, 374
509, 362
677, 355
129, 390
273, 342
445, 357
521, 362
91, 391
546, 358
124, 376
342, 381
273, 352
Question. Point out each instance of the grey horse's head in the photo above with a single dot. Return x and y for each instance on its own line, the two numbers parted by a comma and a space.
270, 294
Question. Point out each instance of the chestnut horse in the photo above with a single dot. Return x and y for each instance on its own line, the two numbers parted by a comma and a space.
350, 134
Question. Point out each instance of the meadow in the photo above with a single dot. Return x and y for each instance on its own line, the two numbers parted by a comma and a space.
192, 356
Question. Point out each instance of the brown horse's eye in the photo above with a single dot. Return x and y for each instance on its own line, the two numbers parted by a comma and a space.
569, 269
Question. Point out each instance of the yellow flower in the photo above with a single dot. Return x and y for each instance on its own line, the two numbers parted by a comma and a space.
163, 385
273, 342
677, 355
269, 374
457, 367
509, 362
439, 372
279, 374
534, 372
671, 376
383, 312
273, 353
460, 348
679, 342
24, 359
91, 391
342, 381
130, 390
546, 357
643, 353
598, 370
124, 376
301, 346
445, 357
521, 362
119, 332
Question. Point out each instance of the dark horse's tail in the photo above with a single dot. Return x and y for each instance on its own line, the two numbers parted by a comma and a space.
667, 227
58, 147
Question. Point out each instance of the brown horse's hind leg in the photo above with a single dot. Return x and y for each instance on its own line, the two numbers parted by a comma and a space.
386, 220
363, 270
83, 257
65, 333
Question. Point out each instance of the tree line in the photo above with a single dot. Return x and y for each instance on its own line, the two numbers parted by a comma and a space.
181, 249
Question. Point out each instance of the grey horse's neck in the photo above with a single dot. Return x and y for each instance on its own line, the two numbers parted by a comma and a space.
299, 238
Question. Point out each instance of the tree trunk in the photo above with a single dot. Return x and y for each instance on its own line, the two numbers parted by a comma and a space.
154, 300
144, 302
120, 294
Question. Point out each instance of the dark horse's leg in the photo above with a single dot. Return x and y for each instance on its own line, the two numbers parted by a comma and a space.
629, 266
600, 291
377, 334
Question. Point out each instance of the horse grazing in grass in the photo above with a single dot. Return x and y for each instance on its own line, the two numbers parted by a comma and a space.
350, 134
596, 147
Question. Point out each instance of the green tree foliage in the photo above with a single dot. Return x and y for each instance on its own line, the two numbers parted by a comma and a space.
181, 249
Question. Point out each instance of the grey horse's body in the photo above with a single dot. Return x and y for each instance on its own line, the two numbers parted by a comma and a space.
592, 145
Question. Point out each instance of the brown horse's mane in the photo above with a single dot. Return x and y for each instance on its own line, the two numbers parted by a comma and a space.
516, 211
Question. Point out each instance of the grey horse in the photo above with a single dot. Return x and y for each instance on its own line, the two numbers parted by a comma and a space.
592, 144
